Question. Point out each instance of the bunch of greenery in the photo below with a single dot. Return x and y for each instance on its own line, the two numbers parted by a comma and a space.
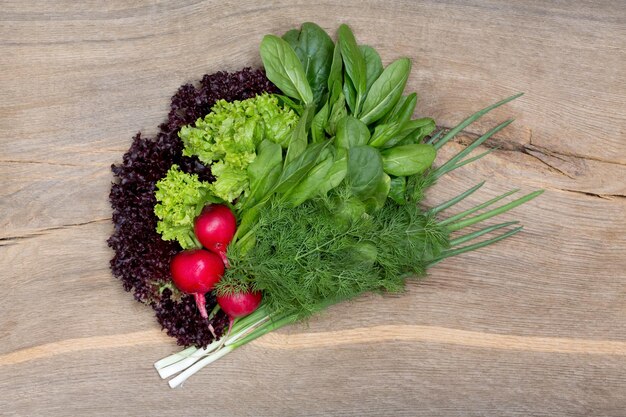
333, 210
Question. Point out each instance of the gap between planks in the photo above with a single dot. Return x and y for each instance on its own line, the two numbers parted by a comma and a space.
376, 334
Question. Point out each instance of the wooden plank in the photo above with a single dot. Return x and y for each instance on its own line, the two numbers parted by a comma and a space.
404, 379
531, 327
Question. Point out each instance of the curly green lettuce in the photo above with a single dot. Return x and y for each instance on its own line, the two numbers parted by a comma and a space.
227, 139
180, 198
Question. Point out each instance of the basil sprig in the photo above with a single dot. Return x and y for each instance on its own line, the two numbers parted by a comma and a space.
346, 97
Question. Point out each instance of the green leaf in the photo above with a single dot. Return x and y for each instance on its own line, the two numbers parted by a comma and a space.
247, 222
373, 65
337, 112
351, 132
299, 138
320, 121
285, 101
337, 172
314, 49
350, 93
311, 185
353, 60
335, 76
386, 91
398, 190
227, 139
263, 172
365, 170
284, 69
377, 198
384, 132
403, 110
408, 159
180, 199
412, 131
297, 169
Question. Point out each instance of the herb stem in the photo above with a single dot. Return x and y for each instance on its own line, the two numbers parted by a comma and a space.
465, 213
182, 377
470, 236
454, 131
452, 162
435, 137
246, 331
491, 213
447, 204
175, 357
454, 252
266, 328
179, 366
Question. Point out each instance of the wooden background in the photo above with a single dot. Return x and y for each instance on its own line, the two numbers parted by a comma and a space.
534, 326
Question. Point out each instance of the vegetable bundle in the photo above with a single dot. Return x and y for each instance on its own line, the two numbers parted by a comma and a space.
314, 197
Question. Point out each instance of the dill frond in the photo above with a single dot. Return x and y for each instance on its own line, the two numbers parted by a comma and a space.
306, 255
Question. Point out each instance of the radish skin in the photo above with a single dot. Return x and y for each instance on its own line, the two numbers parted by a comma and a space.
196, 272
239, 304
215, 228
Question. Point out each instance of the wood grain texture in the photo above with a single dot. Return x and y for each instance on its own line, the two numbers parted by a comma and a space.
534, 326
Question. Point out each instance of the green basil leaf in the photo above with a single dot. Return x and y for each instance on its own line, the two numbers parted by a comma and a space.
397, 192
335, 77
376, 199
291, 37
353, 61
314, 49
412, 131
408, 159
297, 169
373, 65
337, 112
299, 138
351, 132
337, 172
284, 69
386, 91
365, 170
264, 171
403, 110
320, 121
349, 93
311, 184
283, 100
246, 223
384, 132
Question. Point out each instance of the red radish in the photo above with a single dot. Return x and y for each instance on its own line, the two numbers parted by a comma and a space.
239, 304
196, 272
215, 228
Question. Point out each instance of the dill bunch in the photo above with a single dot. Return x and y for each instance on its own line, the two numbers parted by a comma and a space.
329, 250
